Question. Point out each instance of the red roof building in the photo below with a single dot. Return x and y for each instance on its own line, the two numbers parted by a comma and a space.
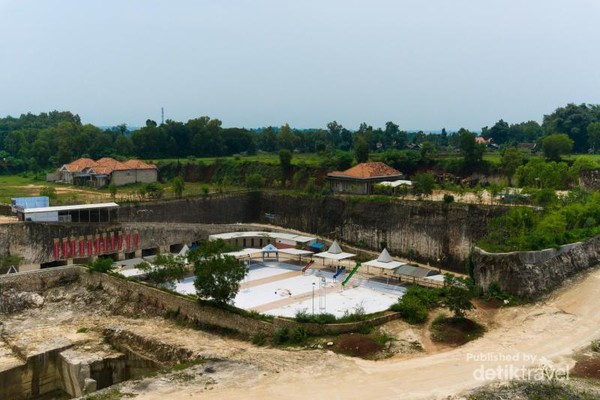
361, 178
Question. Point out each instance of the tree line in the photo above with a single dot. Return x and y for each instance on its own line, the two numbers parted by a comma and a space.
37, 142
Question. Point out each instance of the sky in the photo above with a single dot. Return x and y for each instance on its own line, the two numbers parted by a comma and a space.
423, 64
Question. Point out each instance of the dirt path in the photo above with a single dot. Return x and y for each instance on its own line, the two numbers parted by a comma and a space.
522, 338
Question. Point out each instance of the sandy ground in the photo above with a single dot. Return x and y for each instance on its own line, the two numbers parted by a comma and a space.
519, 337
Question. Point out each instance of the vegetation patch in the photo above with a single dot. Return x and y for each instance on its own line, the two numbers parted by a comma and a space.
455, 330
527, 390
359, 345
587, 368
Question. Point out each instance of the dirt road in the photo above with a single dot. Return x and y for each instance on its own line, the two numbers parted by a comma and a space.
523, 337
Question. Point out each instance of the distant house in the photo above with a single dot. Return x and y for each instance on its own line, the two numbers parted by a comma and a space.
87, 172
362, 178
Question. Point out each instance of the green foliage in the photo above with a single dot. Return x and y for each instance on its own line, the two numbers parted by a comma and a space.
165, 269
281, 336
556, 145
457, 297
112, 188
217, 276
511, 159
472, 152
361, 150
260, 339
544, 175
411, 309
448, 198
255, 181
102, 264
154, 190
595, 346
82, 330
563, 221
423, 184
9, 260
178, 186
50, 192
311, 186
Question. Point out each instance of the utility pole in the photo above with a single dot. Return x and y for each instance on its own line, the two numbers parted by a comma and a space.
162, 115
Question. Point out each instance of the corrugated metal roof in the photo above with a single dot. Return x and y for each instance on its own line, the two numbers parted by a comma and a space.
417, 272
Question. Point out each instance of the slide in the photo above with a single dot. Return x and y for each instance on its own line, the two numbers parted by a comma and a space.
350, 274
311, 262
341, 271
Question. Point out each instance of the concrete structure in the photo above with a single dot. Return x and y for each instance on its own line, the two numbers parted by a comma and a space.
86, 171
100, 212
361, 178
262, 238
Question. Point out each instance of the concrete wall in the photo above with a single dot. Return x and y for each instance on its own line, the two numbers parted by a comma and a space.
124, 177
531, 274
146, 175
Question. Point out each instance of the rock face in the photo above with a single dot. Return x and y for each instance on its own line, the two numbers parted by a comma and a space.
425, 231
528, 275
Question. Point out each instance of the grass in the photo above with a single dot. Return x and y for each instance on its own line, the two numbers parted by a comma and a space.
267, 158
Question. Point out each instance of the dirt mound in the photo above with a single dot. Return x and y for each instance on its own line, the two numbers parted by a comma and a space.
358, 345
588, 368
455, 331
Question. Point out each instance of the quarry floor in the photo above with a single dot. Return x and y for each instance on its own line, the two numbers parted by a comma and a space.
548, 331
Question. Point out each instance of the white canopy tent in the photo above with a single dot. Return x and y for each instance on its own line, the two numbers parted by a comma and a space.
297, 252
246, 253
334, 253
395, 184
384, 262
268, 250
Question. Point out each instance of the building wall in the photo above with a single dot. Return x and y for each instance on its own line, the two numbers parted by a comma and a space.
146, 175
344, 186
121, 178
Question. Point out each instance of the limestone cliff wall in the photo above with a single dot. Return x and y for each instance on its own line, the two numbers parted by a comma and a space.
421, 230
424, 231
530, 274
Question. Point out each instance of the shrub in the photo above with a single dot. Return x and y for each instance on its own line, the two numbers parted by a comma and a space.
281, 336
411, 309
298, 335
259, 339
596, 345
102, 265
448, 198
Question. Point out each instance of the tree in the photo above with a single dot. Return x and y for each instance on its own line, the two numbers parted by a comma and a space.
511, 159
285, 163
165, 270
471, 151
458, 296
178, 186
8, 261
555, 145
112, 188
361, 150
423, 184
255, 181
593, 131
218, 277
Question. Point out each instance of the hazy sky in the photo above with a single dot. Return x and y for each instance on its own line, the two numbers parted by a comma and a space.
424, 64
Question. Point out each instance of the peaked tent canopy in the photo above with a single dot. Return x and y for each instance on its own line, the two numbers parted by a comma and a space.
268, 249
384, 261
334, 253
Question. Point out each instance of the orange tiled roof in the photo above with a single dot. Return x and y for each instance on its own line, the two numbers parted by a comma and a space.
79, 165
107, 165
137, 164
367, 170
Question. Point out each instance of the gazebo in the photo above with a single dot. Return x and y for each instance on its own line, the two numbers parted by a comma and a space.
334, 253
384, 262
268, 250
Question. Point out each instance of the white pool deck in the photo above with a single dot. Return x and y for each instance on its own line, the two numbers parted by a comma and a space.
287, 296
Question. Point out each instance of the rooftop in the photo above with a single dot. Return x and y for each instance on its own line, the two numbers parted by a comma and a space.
368, 170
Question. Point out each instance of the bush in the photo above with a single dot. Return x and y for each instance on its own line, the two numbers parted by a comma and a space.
102, 265
281, 336
448, 198
298, 335
411, 309
596, 345
259, 339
